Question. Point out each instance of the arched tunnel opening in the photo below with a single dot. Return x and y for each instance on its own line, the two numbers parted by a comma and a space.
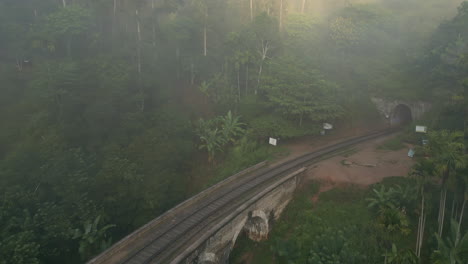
401, 115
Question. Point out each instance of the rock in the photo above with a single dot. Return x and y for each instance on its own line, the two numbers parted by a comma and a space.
347, 162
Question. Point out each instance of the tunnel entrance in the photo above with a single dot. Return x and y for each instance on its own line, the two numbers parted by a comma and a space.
401, 115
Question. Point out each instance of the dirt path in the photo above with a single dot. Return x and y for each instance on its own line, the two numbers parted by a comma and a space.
366, 165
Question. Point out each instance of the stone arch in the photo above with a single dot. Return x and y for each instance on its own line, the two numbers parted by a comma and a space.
257, 225
401, 115
207, 258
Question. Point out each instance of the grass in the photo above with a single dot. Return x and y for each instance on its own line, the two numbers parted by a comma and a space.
243, 157
393, 144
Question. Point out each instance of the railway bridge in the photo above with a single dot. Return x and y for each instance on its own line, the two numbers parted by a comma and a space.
204, 228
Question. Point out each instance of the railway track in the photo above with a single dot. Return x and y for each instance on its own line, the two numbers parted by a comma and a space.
163, 244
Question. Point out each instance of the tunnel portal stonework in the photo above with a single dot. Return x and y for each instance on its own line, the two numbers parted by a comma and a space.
389, 109
255, 219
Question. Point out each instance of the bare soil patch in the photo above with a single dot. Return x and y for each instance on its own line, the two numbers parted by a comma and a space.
364, 166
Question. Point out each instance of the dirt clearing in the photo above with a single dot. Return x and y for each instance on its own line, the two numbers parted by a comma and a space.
363, 165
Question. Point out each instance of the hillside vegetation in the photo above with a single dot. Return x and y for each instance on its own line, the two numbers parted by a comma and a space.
113, 111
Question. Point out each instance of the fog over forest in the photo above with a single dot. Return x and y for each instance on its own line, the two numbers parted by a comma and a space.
114, 111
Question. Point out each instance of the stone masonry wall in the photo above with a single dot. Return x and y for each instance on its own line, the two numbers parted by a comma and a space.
255, 219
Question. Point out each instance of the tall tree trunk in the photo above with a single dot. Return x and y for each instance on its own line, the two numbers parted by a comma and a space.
177, 54
251, 10
281, 15
258, 78
64, 3
442, 211
265, 46
238, 84
115, 8
443, 197
246, 79
154, 34
204, 33
114, 18
138, 43
303, 6
418, 233
421, 223
153, 23
192, 74
440, 207
422, 233
461, 217
453, 207
142, 95
204, 41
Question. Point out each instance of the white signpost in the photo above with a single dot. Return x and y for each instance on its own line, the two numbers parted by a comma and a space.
273, 141
327, 126
421, 129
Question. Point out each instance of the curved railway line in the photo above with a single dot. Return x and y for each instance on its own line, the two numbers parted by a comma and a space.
164, 242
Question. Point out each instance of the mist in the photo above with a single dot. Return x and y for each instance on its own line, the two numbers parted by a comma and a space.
112, 112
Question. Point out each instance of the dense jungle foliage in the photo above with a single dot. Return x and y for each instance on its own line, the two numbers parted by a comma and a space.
111, 110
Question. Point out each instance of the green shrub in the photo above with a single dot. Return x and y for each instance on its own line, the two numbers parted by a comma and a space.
276, 126
245, 154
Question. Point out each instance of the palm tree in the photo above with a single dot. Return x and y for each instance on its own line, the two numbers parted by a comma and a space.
446, 150
452, 250
383, 198
465, 199
422, 172
396, 256
392, 222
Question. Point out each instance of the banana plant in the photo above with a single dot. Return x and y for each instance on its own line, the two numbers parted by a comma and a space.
92, 238
231, 127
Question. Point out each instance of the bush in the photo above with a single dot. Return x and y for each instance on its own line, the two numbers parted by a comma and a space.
245, 154
394, 143
276, 126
